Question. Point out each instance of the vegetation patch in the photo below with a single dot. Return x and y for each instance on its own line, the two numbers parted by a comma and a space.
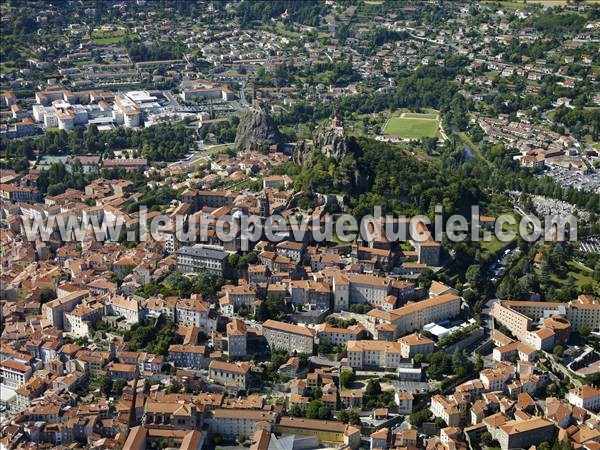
412, 126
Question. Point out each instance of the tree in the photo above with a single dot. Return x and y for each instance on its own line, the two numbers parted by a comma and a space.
324, 346
346, 378
323, 413
118, 385
313, 409
478, 364
425, 278
242, 438
354, 417
545, 273
473, 275
440, 422
46, 295
105, 384
373, 388
295, 411
419, 417
584, 330
342, 416
486, 438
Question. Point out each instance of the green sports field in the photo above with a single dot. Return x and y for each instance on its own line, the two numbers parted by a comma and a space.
412, 126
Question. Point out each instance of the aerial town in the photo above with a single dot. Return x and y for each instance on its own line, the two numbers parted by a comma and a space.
138, 137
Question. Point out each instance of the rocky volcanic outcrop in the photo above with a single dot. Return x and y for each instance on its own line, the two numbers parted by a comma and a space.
256, 130
329, 140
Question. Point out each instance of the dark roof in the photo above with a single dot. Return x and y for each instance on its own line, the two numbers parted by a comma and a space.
201, 251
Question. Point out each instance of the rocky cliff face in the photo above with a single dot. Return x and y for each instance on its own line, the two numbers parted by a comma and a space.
256, 130
330, 141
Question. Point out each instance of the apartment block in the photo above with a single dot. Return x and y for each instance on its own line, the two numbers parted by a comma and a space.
525, 433
54, 310
237, 338
231, 423
587, 397
414, 344
446, 409
234, 375
339, 336
289, 337
128, 308
414, 316
201, 258
195, 312
192, 356
14, 373
375, 354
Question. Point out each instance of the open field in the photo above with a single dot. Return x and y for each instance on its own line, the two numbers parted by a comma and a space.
409, 115
519, 4
495, 245
412, 126
581, 275
101, 37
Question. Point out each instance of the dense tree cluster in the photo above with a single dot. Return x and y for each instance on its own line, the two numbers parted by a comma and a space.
151, 336
272, 308
306, 12
375, 397
182, 286
524, 278
376, 173
557, 24
162, 142
427, 87
158, 52
419, 417
57, 178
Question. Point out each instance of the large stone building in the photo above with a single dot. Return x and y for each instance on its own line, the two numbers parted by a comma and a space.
414, 344
237, 338
329, 433
213, 199
192, 356
374, 354
55, 310
525, 433
288, 337
202, 258
232, 375
587, 397
414, 316
231, 423
331, 335
519, 317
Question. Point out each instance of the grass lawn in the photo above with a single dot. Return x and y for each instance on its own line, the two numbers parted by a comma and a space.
111, 37
219, 148
410, 115
581, 273
495, 245
108, 40
412, 126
